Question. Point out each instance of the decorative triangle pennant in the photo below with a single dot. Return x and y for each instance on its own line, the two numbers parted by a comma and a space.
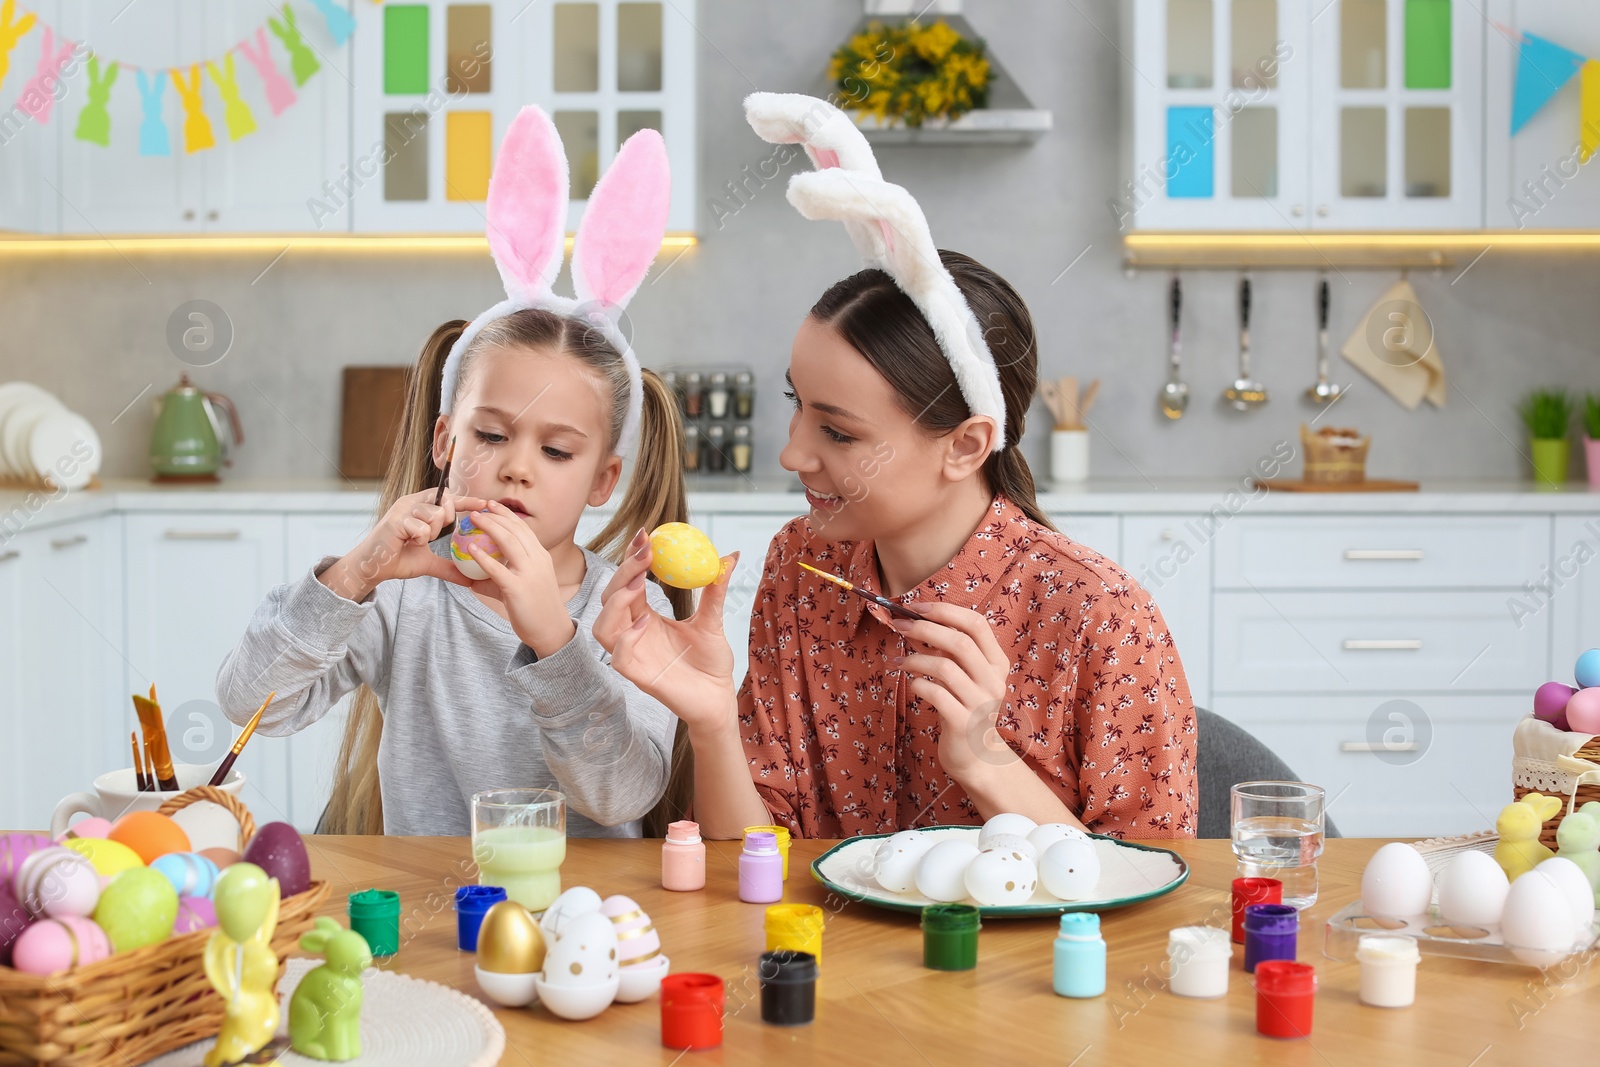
1543, 67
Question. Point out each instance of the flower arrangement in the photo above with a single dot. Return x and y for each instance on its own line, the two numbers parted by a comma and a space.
911, 72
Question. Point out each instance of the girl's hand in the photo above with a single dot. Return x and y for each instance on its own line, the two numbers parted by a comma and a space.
397, 546
687, 664
963, 675
525, 581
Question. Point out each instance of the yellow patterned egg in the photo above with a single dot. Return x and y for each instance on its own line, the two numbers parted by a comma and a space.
683, 557
106, 856
509, 941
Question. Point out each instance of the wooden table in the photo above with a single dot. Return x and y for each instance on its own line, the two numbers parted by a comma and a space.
877, 1004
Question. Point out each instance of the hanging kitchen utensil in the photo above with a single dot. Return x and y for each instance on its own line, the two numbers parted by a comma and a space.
1245, 394
1324, 392
1175, 394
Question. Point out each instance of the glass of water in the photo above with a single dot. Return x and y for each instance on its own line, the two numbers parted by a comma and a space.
1277, 833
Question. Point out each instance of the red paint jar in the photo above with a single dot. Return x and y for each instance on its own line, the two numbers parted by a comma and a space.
691, 1011
1285, 992
1247, 891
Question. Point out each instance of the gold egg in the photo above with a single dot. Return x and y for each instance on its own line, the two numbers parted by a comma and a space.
509, 941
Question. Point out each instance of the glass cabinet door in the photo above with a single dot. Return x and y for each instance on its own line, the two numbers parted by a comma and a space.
1397, 115
1220, 90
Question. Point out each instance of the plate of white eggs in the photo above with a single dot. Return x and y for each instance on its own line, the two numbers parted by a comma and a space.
1011, 867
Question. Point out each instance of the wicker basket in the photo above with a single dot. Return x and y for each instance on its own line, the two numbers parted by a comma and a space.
1334, 464
135, 1005
1572, 800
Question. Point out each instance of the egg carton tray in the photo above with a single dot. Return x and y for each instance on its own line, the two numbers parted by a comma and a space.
1434, 936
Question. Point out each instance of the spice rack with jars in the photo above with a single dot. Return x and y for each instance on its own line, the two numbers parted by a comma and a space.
717, 403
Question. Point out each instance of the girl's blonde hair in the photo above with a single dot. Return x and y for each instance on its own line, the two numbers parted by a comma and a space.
655, 494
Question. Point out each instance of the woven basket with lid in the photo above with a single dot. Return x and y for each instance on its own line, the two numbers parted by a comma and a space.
134, 1005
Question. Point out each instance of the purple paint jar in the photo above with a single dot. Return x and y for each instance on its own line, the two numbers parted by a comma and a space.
760, 869
1270, 933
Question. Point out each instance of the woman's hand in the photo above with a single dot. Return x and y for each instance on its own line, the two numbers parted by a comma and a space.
397, 546
963, 675
687, 664
524, 581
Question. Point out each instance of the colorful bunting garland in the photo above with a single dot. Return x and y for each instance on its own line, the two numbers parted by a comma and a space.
94, 120
1543, 69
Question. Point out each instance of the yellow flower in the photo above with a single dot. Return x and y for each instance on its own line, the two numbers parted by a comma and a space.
934, 43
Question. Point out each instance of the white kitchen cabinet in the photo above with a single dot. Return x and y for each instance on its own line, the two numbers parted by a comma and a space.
1277, 115
30, 165
261, 182
435, 86
313, 752
1532, 178
750, 536
1103, 533
193, 580
1166, 555
1568, 594
20, 793
62, 648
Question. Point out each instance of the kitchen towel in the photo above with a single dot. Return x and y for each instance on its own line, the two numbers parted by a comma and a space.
1394, 345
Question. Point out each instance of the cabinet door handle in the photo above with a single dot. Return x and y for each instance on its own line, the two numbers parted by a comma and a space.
202, 535
188, 215
1402, 645
1379, 746
1383, 553
68, 542
7, 557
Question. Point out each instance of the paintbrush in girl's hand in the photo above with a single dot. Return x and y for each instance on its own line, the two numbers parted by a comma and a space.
238, 746
155, 737
444, 477
883, 601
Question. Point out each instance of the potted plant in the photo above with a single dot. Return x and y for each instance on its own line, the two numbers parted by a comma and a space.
1547, 413
1591, 438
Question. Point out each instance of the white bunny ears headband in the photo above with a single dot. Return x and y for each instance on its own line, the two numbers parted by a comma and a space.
888, 229
617, 240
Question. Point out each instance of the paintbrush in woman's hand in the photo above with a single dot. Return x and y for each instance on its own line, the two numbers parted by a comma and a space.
883, 601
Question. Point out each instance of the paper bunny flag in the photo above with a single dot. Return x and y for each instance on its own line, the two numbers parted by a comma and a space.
888, 229
617, 240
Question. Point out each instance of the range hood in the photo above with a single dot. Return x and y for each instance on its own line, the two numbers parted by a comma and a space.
1010, 117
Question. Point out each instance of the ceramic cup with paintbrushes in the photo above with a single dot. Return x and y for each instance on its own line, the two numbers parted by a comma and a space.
1069, 438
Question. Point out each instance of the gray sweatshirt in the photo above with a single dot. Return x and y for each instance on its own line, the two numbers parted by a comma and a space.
466, 706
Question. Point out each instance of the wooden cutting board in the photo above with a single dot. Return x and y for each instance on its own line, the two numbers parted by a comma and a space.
369, 424
1371, 485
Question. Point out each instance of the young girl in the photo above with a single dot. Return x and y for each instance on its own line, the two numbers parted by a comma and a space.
1040, 678
497, 682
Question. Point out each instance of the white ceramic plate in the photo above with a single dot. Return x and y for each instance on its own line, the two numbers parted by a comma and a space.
12, 396
1130, 872
18, 426
56, 444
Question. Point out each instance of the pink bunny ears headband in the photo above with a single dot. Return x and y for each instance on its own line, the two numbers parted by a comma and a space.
617, 240
888, 229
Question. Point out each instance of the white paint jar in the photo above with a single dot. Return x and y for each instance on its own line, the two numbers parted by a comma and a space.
1388, 970
1197, 960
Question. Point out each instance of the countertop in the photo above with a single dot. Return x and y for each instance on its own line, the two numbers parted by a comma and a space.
781, 496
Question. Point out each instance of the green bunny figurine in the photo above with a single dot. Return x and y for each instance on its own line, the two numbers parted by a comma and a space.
325, 1011
1578, 840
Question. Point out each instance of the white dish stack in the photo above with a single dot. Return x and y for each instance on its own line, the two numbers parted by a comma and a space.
41, 439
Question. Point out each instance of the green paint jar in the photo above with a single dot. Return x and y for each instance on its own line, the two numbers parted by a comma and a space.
950, 937
375, 915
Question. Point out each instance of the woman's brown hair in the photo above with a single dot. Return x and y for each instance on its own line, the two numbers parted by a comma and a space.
655, 494
878, 320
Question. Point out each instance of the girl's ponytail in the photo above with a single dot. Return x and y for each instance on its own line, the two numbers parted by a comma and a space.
356, 804
656, 494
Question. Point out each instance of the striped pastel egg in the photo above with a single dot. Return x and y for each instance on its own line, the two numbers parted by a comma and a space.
683, 557
14, 848
57, 882
194, 913
637, 940
190, 873
52, 945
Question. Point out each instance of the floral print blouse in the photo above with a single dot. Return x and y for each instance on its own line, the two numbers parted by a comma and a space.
1097, 702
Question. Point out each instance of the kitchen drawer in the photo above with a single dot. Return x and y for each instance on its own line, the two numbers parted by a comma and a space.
1374, 642
1103, 533
1449, 771
1382, 552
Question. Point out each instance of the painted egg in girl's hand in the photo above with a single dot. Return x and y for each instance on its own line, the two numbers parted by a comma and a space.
467, 533
683, 557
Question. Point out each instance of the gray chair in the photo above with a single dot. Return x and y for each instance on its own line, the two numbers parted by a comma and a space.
1229, 755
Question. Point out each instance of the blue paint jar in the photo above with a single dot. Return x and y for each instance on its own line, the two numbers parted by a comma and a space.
472, 902
1080, 956
1270, 933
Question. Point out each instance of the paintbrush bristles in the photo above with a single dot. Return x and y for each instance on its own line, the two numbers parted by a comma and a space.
1068, 408
834, 578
